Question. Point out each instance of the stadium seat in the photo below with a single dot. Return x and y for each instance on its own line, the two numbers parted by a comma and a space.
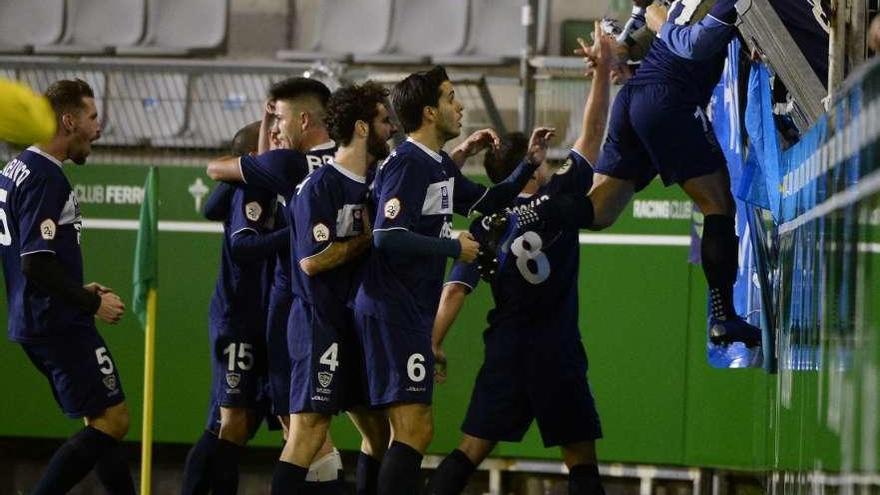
496, 35
40, 79
142, 107
182, 29
346, 28
421, 29
24, 24
221, 105
95, 27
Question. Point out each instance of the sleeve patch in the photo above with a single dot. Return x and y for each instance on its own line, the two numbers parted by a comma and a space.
321, 232
565, 167
253, 210
47, 229
392, 208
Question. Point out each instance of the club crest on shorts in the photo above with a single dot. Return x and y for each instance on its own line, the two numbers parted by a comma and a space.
47, 229
324, 378
233, 379
110, 382
253, 210
392, 208
320, 232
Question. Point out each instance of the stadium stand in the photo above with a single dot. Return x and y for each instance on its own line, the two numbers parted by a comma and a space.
25, 24
496, 35
87, 31
182, 29
423, 28
144, 106
338, 21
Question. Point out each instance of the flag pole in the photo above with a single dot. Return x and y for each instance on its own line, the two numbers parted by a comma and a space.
149, 369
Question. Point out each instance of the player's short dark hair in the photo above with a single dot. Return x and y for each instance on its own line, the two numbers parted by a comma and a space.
297, 87
413, 94
350, 104
246, 139
66, 96
499, 164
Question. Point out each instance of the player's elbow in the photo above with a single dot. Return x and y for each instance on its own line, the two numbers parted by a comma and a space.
309, 267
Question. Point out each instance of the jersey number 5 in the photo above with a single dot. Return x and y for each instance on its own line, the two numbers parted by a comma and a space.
531, 262
5, 235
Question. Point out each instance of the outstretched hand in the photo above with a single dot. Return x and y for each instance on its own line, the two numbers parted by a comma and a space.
538, 144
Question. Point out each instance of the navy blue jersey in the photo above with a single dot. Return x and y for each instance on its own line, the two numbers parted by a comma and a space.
315, 158
329, 207
541, 268
278, 171
239, 300
417, 190
39, 213
695, 78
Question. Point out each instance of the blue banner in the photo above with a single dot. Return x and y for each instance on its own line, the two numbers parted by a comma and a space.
724, 108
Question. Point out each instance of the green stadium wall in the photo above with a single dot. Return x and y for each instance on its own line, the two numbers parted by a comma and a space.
642, 319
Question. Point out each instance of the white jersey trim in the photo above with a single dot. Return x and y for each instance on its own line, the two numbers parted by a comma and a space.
44, 155
436, 156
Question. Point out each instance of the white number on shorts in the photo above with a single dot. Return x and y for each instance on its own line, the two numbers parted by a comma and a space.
245, 356
527, 247
415, 367
330, 357
105, 364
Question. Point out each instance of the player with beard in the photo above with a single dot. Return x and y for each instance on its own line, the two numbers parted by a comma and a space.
51, 313
331, 233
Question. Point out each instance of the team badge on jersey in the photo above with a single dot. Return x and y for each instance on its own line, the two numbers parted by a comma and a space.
253, 210
321, 232
47, 229
565, 167
392, 208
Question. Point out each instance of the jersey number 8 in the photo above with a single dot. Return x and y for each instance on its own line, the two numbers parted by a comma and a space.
527, 248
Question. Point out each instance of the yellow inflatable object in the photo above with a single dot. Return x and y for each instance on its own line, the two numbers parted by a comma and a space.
25, 116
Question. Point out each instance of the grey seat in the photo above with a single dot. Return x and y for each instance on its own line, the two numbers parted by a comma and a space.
347, 28
40, 79
221, 105
95, 27
496, 35
144, 106
182, 28
421, 29
25, 23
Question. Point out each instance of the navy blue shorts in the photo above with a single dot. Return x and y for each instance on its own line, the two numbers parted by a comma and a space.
399, 361
276, 351
535, 378
655, 130
81, 373
238, 362
262, 411
326, 362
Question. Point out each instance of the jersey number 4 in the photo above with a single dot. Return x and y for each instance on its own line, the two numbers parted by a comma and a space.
531, 262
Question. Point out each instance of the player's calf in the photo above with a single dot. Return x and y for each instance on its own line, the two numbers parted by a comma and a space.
413, 424
308, 432
235, 424
583, 471
453, 473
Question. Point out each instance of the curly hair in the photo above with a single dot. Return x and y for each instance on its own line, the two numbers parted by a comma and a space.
500, 164
350, 104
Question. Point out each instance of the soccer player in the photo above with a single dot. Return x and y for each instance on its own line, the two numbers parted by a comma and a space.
658, 126
535, 366
299, 106
331, 232
417, 189
51, 313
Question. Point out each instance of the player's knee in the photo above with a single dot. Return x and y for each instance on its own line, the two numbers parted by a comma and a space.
113, 421
313, 423
235, 426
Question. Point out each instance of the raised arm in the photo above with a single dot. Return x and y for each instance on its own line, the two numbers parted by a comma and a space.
595, 117
474, 144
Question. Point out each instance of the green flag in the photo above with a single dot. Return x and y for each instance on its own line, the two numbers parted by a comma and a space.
146, 269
